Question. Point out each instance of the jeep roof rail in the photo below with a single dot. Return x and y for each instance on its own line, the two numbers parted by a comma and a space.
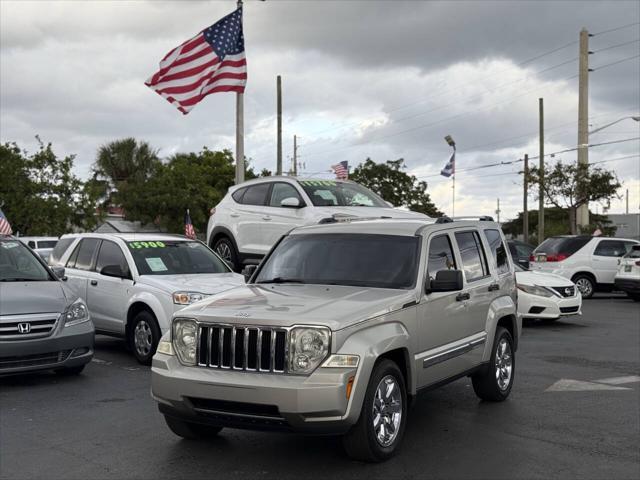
482, 218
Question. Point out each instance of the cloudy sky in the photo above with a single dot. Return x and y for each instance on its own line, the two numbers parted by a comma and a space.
379, 79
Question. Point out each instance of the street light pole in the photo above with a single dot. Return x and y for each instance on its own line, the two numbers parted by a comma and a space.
582, 214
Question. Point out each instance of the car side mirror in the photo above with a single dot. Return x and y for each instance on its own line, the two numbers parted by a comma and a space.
290, 202
58, 272
248, 271
446, 281
114, 271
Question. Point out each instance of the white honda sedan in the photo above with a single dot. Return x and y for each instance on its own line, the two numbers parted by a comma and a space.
546, 296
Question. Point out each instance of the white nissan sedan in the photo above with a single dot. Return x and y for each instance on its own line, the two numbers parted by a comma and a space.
546, 296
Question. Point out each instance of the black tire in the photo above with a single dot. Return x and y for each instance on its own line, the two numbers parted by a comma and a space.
143, 336
585, 284
486, 383
191, 431
70, 370
226, 250
360, 442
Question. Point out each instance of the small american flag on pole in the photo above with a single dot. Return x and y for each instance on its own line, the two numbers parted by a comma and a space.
189, 231
342, 170
450, 168
5, 227
213, 61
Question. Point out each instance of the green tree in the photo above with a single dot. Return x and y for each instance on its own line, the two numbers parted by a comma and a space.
39, 193
397, 187
569, 186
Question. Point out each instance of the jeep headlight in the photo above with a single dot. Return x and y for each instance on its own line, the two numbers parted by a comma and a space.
536, 290
187, 298
185, 339
308, 347
76, 313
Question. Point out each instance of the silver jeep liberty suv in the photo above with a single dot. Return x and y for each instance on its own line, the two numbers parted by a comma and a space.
340, 327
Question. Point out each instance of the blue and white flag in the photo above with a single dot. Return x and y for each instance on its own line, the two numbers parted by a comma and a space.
450, 168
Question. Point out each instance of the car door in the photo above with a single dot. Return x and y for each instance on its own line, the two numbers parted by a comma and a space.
605, 259
79, 265
278, 220
249, 216
442, 317
107, 297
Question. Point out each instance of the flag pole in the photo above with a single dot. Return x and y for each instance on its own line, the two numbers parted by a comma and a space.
452, 161
239, 132
453, 208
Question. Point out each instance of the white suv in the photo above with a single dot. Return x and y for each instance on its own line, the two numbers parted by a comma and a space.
133, 283
590, 262
254, 215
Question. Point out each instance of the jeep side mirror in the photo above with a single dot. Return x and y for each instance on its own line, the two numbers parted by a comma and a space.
114, 271
446, 281
290, 202
248, 271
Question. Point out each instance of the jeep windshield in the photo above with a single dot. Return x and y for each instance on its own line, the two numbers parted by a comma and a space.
174, 257
330, 193
363, 260
18, 264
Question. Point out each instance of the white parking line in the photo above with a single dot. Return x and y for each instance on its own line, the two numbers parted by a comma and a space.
567, 385
99, 361
619, 380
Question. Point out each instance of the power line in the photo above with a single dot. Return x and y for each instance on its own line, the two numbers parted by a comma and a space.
615, 29
617, 45
615, 63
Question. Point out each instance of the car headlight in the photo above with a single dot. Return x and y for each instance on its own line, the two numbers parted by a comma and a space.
76, 313
308, 347
187, 298
185, 339
536, 290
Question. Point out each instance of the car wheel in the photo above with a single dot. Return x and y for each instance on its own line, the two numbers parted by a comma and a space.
379, 430
585, 284
225, 250
144, 335
191, 431
495, 382
70, 370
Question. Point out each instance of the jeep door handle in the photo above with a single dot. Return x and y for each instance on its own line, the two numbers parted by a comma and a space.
94, 282
493, 287
234, 215
266, 217
462, 296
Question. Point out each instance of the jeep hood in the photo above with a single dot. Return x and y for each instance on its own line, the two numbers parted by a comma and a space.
285, 305
208, 283
17, 298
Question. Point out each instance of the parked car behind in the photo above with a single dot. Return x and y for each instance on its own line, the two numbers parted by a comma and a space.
546, 296
253, 216
41, 245
339, 329
133, 283
43, 324
628, 276
589, 262
520, 252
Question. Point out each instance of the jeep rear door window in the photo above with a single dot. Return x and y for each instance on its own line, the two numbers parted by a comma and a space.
440, 256
85, 251
174, 257
330, 193
363, 260
472, 253
498, 250
256, 194
110, 254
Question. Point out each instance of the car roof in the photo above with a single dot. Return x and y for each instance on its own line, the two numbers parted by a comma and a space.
37, 238
130, 237
388, 226
284, 178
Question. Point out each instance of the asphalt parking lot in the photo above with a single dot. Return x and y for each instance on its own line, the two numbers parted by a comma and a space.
573, 413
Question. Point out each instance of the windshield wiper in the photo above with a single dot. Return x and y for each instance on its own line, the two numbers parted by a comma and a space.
282, 280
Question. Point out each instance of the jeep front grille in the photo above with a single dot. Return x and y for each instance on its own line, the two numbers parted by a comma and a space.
248, 348
27, 327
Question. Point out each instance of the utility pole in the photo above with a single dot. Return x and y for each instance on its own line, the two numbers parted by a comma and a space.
627, 209
295, 156
498, 210
239, 132
540, 187
582, 214
525, 207
279, 133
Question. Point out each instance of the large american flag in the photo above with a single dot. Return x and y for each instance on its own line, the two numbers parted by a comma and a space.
5, 227
342, 170
189, 231
213, 61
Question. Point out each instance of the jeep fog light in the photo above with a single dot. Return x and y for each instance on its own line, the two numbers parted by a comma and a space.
308, 347
185, 338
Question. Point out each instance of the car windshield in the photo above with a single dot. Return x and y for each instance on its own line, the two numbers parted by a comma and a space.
18, 264
379, 261
330, 193
174, 257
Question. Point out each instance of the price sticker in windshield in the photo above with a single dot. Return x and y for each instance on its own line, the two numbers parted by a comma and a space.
136, 245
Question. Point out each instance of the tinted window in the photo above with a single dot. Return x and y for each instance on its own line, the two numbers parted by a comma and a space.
378, 261
330, 193
562, 245
256, 195
238, 194
171, 257
473, 260
111, 254
47, 243
610, 248
85, 250
18, 264
280, 191
635, 251
498, 251
440, 256
59, 250
31, 243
